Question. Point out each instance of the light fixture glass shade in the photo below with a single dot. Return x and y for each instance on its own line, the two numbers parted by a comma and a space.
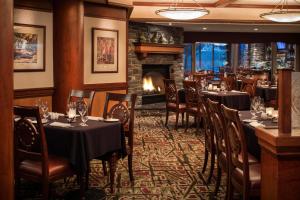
182, 13
282, 16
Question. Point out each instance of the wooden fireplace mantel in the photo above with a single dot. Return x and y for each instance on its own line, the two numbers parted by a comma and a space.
143, 49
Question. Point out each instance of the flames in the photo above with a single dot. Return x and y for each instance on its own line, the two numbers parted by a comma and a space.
148, 85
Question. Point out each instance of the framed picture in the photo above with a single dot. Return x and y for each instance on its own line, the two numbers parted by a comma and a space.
104, 50
29, 48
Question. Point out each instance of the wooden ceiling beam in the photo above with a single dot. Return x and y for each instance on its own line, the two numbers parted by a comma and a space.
230, 4
223, 3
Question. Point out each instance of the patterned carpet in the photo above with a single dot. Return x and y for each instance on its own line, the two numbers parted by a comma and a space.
167, 165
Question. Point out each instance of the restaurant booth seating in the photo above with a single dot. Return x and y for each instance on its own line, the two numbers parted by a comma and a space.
32, 161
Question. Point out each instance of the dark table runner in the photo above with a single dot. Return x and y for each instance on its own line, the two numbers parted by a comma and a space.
267, 93
80, 144
251, 139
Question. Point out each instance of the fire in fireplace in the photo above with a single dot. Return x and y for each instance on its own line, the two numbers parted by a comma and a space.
153, 82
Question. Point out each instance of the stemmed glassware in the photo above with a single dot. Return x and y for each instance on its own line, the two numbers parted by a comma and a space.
82, 110
223, 86
71, 111
43, 106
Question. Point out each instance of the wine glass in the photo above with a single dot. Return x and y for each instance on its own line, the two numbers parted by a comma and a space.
82, 110
45, 110
71, 111
223, 86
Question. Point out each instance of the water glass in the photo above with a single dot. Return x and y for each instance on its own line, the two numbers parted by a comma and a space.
71, 110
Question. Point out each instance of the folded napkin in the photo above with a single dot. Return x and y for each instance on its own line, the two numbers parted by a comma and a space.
95, 118
256, 124
60, 124
58, 114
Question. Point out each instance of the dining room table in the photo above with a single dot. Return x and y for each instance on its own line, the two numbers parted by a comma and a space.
249, 124
80, 144
268, 93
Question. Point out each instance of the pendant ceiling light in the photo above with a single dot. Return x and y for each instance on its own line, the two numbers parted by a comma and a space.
181, 13
281, 13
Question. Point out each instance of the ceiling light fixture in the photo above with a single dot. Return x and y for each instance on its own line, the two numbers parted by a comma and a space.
182, 13
281, 13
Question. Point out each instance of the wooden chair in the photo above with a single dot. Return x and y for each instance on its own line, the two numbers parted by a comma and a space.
172, 101
78, 95
221, 143
249, 86
244, 175
230, 82
191, 100
32, 161
125, 114
209, 136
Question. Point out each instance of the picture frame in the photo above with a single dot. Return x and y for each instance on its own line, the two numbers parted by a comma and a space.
105, 47
29, 48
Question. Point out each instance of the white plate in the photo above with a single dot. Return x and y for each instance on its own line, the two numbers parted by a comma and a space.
111, 120
249, 120
95, 118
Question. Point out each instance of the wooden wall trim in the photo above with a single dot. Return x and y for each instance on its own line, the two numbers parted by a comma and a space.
231, 37
106, 86
39, 5
105, 11
33, 92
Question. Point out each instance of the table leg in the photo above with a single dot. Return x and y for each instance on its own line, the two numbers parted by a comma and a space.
112, 167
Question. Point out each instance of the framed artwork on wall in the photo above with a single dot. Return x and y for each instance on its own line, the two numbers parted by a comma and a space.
29, 48
105, 50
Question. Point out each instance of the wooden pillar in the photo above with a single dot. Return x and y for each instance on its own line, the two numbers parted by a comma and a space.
273, 57
297, 58
6, 100
68, 16
234, 57
284, 100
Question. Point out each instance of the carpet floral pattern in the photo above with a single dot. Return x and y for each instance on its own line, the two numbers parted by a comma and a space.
167, 165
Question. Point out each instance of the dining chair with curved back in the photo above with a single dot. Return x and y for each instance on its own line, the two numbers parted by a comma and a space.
249, 86
172, 101
244, 176
32, 161
209, 136
191, 101
76, 95
230, 82
221, 143
117, 106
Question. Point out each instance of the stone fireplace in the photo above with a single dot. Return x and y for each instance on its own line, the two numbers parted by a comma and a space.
145, 75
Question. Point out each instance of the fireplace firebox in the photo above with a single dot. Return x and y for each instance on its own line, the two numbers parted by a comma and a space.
153, 82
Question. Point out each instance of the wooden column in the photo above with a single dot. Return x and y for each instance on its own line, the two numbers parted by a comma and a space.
284, 100
68, 16
6, 100
297, 58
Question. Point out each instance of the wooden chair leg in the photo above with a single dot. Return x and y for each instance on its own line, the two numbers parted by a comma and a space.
205, 161
104, 167
112, 170
212, 166
167, 118
218, 181
197, 125
176, 124
45, 190
130, 167
182, 118
187, 121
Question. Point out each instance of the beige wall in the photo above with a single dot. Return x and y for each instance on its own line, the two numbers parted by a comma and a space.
24, 80
96, 78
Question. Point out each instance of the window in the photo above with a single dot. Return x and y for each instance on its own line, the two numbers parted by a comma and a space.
211, 56
243, 55
187, 57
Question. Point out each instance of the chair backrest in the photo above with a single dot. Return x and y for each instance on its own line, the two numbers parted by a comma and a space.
122, 111
79, 95
30, 139
219, 127
249, 86
205, 113
171, 91
236, 142
191, 96
230, 82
